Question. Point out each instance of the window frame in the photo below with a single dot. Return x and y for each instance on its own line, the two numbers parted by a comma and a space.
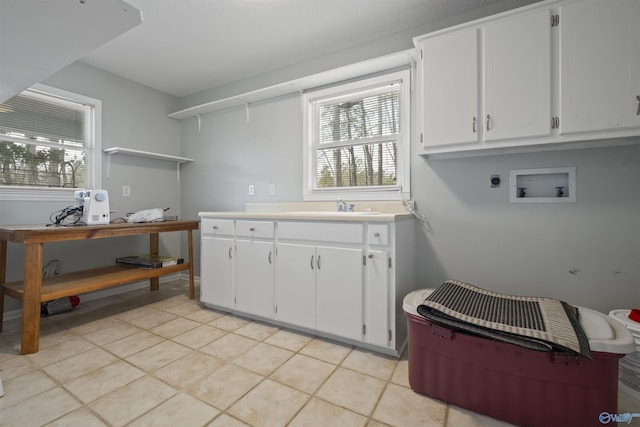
401, 190
93, 157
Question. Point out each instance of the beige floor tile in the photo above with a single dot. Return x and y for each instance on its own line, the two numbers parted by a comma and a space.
135, 313
183, 309
12, 367
89, 327
204, 315
263, 359
326, 350
132, 344
224, 386
303, 373
61, 351
374, 423
40, 409
401, 374
175, 327
158, 356
371, 364
257, 331
187, 370
400, 406
269, 404
118, 330
352, 390
24, 387
100, 382
75, 366
225, 420
318, 413
50, 338
129, 402
459, 417
293, 341
180, 410
199, 337
228, 347
228, 323
80, 417
153, 319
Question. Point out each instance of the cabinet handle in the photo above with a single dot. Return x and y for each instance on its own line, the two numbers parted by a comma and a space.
312, 262
638, 99
376, 235
252, 229
473, 124
269, 257
229, 253
488, 119
215, 227
370, 256
318, 262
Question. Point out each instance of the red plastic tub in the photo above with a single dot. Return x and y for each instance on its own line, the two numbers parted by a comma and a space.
514, 384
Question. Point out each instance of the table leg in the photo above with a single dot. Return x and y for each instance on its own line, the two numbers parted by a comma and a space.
154, 250
3, 277
31, 298
192, 293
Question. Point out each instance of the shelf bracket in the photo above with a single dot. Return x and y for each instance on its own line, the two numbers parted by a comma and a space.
246, 107
109, 165
199, 122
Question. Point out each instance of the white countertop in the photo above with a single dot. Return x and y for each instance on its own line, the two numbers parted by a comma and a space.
366, 212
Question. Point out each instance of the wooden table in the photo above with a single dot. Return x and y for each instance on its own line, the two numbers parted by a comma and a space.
34, 289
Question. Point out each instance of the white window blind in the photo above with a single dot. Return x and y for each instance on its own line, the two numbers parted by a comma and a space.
44, 141
356, 138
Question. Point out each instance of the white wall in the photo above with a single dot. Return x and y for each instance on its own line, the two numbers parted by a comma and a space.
134, 116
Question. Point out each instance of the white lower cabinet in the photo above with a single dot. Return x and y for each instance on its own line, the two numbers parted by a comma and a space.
216, 270
339, 291
254, 277
296, 284
336, 279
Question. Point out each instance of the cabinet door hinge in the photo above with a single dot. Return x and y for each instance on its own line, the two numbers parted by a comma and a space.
390, 335
555, 20
421, 138
364, 329
555, 122
390, 263
421, 54
276, 309
364, 260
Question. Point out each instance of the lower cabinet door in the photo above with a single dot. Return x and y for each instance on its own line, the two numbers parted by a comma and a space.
296, 284
216, 271
254, 274
339, 291
377, 298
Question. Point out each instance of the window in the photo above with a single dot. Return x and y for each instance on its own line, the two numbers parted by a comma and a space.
49, 144
357, 140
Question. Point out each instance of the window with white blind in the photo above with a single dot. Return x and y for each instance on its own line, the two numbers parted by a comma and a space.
357, 139
49, 145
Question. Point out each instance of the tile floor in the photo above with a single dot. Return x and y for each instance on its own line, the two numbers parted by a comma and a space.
158, 359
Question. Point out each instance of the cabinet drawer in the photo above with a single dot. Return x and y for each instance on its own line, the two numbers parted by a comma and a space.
257, 229
321, 231
378, 234
214, 226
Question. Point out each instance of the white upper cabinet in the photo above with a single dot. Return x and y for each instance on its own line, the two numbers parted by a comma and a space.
449, 68
517, 77
554, 73
599, 65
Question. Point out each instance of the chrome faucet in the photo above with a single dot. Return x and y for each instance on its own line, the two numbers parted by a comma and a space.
342, 206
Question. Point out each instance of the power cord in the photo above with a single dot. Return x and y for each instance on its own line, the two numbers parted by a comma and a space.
410, 205
70, 215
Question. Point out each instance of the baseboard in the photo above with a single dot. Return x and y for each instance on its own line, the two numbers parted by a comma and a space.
116, 290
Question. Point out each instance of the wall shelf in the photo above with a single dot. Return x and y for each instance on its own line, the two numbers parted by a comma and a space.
371, 66
157, 156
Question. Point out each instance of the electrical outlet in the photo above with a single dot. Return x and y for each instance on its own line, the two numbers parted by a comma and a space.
252, 190
272, 189
126, 191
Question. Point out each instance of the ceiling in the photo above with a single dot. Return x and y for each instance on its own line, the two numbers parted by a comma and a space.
188, 46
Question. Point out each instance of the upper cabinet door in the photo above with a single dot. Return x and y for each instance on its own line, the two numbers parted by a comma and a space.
599, 65
450, 88
517, 76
